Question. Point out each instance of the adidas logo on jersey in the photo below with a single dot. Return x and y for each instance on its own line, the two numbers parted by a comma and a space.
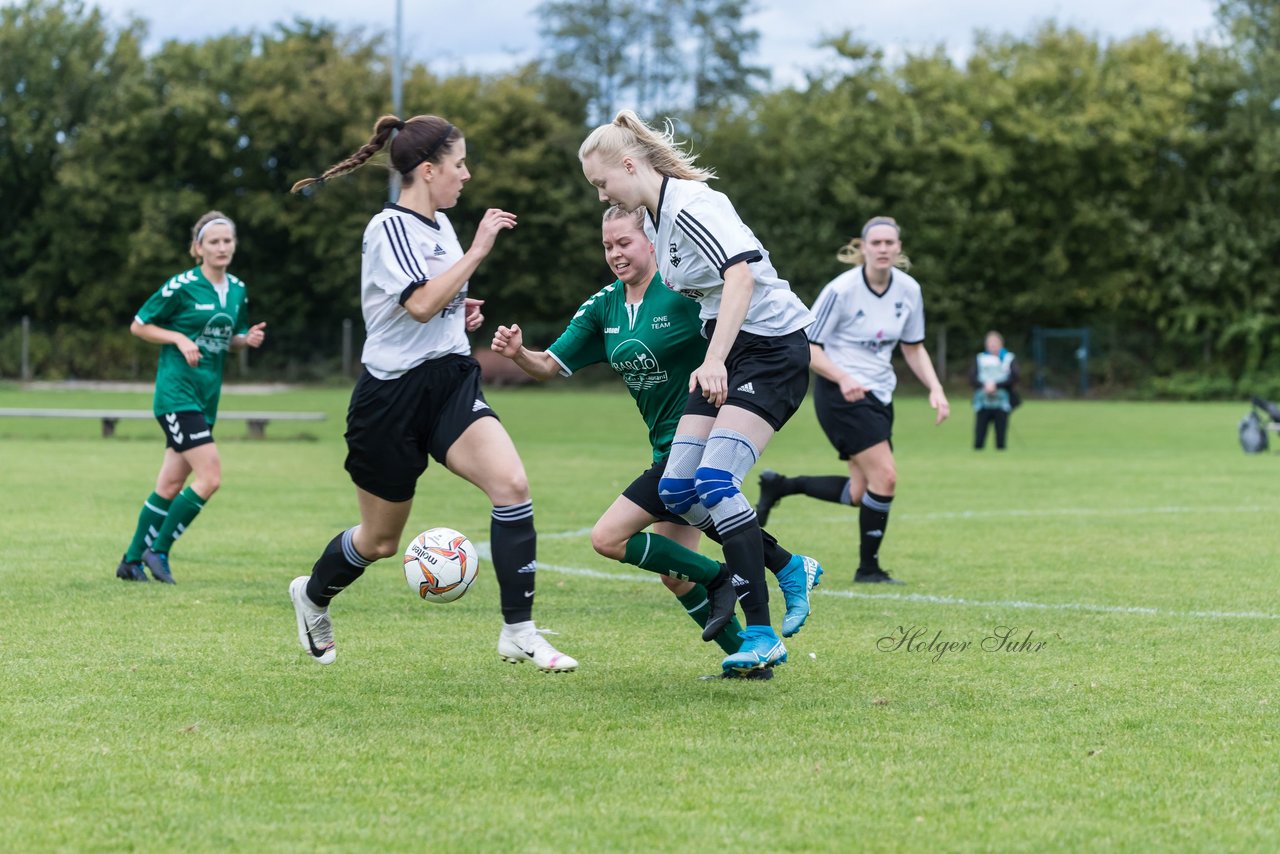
674, 256
478, 405
439, 250
747, 388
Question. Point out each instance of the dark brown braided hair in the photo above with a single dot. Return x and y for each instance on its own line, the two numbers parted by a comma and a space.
420, 139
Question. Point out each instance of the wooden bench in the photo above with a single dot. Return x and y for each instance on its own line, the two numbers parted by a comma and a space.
109, 417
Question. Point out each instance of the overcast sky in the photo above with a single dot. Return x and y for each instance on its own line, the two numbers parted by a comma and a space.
493, 35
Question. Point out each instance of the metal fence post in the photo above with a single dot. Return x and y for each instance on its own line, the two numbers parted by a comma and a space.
26, 349
346, 347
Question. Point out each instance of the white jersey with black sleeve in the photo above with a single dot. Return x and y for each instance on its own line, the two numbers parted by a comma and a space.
402, 251
858, 328
698, 235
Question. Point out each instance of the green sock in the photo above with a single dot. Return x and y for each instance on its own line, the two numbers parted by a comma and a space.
184, 509
150, 521
667, 557
696, 604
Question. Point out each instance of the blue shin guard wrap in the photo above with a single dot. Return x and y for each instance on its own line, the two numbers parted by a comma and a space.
677, 488
726, 461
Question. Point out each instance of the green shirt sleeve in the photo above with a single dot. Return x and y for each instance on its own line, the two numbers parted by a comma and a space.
242, 316
161, 306
582, 342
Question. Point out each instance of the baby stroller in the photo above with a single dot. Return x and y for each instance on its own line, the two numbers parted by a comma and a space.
1254, 427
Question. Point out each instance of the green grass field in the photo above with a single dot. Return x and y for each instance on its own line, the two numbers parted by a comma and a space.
1134, 542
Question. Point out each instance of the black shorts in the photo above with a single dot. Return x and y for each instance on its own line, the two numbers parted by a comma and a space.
768, 376
643, 492
852, 427
185, 430
392, 425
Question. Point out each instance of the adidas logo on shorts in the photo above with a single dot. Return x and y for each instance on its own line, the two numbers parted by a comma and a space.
478, 405
747, 388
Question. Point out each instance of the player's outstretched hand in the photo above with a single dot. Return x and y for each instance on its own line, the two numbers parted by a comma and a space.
493, 221
507, 341
475, 319
256, 334
938, 400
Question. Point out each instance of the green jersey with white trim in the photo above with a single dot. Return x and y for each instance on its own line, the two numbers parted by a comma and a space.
188, 303
653, 345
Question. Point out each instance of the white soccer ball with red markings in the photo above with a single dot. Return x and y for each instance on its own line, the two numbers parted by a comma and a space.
440, 565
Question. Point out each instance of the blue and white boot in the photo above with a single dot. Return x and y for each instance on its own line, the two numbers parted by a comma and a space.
761, 647
796, 579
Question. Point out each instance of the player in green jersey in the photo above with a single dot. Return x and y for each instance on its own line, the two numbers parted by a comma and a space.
651, 336
196, 317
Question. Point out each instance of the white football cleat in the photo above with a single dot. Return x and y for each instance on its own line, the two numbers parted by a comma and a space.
315, 629
527, 644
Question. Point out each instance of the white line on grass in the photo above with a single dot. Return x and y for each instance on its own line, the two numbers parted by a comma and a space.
482, 548
1074, 511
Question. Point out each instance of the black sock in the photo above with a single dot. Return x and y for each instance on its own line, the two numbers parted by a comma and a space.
744, 554
833, 488
339, 565
873, 519
776, 557
515, 549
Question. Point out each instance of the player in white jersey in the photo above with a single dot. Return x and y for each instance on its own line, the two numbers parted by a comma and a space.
862, 315
755, 373
420, 391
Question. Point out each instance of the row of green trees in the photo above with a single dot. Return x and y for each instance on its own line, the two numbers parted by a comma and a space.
1050, 180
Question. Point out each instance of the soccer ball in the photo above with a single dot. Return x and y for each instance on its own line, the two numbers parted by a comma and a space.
440, 565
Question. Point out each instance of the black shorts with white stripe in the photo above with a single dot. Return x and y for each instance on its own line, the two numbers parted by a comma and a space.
392, 425
185, 430
768, 376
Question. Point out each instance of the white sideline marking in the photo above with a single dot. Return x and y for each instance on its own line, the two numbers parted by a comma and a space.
1051, 606
482, 548
1070, 511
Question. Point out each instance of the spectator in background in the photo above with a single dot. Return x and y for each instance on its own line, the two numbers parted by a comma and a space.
993, 377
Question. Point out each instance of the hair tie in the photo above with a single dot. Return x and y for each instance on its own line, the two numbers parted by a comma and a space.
215, 221
430, 151
399, 125
880, 220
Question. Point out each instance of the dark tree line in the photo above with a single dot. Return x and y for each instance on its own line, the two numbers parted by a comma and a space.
1050, 180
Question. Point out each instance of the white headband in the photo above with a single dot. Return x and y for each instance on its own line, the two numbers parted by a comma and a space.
215, 221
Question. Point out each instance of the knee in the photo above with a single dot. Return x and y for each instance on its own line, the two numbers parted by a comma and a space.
678, 494
510, 489
207, 485
714, 485
607, 544
676, 585
169, 489
884, 481
378, 548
